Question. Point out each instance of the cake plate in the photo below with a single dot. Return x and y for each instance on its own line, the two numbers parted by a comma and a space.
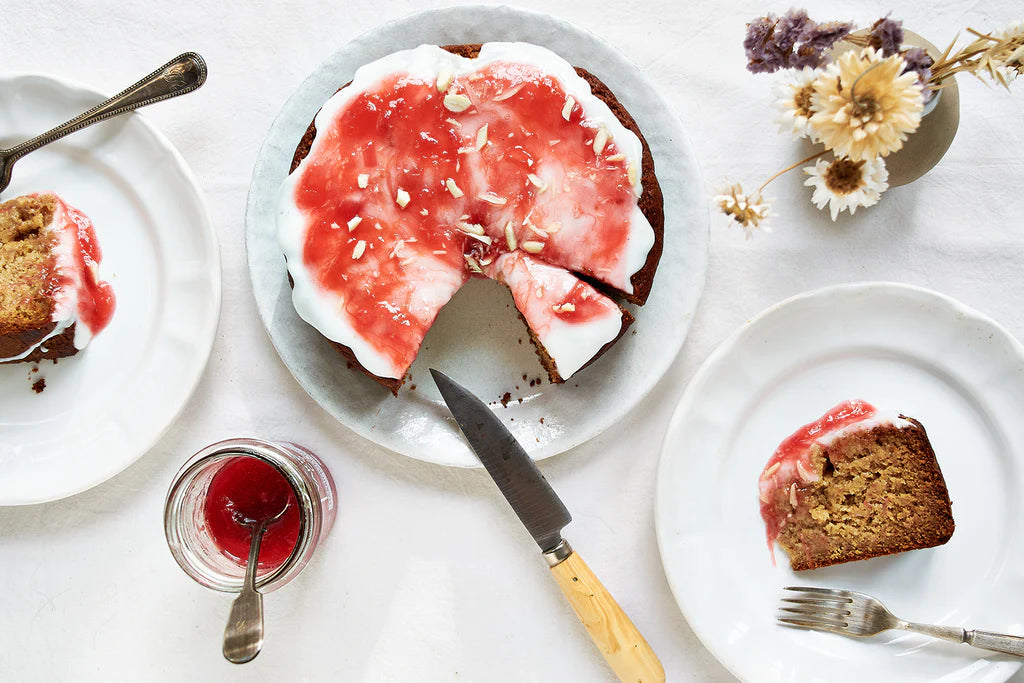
478, 338
893, 345
106, 406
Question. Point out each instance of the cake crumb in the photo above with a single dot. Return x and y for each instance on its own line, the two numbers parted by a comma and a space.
412, 387
542, 420
524, 376
39, 385
505, 398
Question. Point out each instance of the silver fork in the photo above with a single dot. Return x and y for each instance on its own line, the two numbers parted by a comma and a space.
181, 75
856, 614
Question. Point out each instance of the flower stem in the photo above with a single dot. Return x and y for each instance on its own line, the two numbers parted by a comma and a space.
790, 168
853, 86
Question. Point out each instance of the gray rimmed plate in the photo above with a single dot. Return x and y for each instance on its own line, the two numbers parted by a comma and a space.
478, 338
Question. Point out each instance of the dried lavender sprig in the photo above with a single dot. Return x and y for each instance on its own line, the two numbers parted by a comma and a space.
917, 59
790, 41
817, 41
762, 45
886, 35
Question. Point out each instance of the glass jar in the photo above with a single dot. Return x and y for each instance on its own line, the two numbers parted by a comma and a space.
185, 523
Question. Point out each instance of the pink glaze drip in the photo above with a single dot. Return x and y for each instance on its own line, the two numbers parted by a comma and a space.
791, 463
96, 301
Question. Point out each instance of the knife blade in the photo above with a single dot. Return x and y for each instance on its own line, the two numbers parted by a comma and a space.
534, 501
544, 516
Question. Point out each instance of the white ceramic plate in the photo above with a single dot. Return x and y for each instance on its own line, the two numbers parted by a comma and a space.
478, 338
955, 370
105, 407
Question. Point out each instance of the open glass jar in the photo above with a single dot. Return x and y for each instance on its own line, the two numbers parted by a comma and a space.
186, 525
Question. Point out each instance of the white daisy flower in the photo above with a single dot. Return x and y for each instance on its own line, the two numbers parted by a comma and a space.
845, 184
750, 211
793, 102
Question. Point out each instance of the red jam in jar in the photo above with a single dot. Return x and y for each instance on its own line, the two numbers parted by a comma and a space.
242, 493
221, 488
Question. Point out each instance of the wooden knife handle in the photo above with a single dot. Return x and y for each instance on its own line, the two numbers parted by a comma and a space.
622, 645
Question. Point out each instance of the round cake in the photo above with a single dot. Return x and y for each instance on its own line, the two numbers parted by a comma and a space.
438, 165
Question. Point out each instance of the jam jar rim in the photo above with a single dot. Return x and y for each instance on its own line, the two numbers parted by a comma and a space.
268, 451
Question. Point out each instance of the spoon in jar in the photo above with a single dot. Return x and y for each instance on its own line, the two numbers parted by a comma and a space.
243, 636
181, 75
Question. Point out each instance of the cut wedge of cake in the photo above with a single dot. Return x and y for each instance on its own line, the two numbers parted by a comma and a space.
51, 298
857, 483
432, 166
570, 322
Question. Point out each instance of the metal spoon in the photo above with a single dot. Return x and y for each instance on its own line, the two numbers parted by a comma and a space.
243, 636
181, 75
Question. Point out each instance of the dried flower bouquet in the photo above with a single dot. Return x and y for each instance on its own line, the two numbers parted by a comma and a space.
860, 104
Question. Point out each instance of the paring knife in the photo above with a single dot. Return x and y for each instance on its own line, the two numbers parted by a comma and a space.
544, 516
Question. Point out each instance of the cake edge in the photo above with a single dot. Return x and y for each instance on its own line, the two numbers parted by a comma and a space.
59, 346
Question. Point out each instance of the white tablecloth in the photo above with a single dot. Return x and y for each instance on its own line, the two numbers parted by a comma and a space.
428, 575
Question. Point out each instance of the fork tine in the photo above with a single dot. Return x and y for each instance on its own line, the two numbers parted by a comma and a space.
811, 625
823, 602
834, 592
814, 612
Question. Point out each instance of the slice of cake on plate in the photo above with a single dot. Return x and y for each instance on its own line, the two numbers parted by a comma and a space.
436, 165
52, 301
855, 484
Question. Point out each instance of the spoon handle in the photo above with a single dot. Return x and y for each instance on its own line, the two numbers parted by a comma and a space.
243, 635
181, 75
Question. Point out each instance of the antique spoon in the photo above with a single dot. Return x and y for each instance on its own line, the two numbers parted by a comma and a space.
180, 76
243, 636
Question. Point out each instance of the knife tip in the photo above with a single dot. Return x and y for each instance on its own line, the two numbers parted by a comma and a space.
441, 380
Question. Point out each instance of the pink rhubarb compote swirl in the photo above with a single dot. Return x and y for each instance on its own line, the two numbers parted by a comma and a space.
430, 167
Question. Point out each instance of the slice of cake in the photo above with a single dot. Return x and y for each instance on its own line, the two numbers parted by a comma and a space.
432, 165
857, 483
51, 299
570, 322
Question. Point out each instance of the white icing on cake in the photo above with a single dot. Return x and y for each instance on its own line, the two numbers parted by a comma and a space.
882, 417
